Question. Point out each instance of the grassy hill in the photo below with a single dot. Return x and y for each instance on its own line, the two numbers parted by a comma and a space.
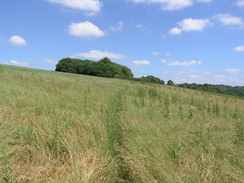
60, 127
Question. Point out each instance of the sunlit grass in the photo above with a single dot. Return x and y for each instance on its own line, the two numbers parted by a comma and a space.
59, 127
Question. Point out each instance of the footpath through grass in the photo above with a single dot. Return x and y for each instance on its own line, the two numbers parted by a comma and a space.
58, 127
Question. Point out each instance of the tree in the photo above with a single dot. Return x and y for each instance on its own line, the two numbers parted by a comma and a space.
170, 83
105, 60
150, 79
103, 68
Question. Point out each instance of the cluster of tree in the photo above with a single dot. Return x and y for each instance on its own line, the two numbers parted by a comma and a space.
149, 79
223, 89
153, 79
102, 68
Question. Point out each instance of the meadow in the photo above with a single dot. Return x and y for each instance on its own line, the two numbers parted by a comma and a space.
60, 127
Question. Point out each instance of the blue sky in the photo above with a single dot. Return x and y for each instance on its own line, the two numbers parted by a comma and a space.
190, 41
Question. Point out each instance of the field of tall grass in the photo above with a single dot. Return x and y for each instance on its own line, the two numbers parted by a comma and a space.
60, 127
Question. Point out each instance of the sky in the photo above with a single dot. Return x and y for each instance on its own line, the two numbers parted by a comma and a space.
193, 41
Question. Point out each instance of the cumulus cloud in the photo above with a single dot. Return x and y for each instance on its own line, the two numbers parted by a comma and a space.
204, 1
207, 72
177, 63
140, 62
17, 41
232, 71
18, 63
240, 3
90, 6
184, 72
85, 29
190, 24
167, 53
165, 72
175, 31
239, 48
179, 72
164, 61
95, 54
155, 53
139, 26
170, 5
118, 27
227, 19
54, 62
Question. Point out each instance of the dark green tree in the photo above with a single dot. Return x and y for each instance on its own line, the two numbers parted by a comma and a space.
103, 68
150, 79
105, 60
170, 83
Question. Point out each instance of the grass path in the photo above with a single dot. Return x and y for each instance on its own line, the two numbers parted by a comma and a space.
115, 135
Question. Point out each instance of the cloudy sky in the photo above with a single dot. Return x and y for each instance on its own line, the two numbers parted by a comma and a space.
190, 41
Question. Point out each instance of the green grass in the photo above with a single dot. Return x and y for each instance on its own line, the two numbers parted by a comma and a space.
60, 127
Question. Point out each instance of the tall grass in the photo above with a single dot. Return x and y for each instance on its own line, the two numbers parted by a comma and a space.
57, 127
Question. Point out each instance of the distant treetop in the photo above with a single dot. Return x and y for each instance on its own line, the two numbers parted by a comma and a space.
170, 82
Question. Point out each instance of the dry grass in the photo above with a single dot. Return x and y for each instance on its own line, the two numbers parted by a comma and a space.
57, 127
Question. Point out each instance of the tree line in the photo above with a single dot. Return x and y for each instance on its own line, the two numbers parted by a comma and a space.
222, 89
103, 68
106, 68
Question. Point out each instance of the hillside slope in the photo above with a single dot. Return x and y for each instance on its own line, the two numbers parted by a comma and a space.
58, 127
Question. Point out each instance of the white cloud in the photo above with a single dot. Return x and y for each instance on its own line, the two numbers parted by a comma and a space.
95, 54
85, 29
118, 27
17, 41
54, 62
190, 24
90, 6
140, 62
239, 48
177, 63
240, 3
164, 61
165, 72
207, 73
19, 63
204, 1
139, 26
176, 5
194, 76
167, 54
228, 19
184, 72
155, 53
175, 30
217, 76
170, 5
179, 73
232, 71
